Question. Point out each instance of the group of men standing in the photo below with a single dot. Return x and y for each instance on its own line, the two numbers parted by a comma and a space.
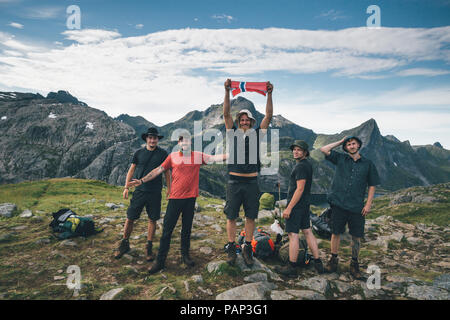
353, 174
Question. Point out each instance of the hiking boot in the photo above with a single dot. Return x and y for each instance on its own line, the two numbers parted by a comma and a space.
354, 270
186, 259
332, 265
123, 248
149, 254
288, 270
231, 251
318, 265
247, 254
157, 266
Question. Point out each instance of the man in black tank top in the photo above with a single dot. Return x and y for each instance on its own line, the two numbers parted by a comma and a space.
243, 169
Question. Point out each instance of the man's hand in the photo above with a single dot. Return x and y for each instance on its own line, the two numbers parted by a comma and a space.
134, 183
227, 85
286, 213
269, 87
343, 139
365, 211
125, 193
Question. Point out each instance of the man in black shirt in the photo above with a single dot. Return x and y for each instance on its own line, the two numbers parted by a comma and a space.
352, 176
243, 168
147, 195
297, 210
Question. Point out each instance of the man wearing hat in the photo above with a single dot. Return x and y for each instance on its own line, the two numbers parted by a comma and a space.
147, 195
297, 210
243, 168
353, 174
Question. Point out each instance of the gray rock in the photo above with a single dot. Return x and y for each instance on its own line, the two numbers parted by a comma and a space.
68, 243
342, 287
111, 205
217, 228
257, 266
296, 295
264, 214
111, 294
197, 278
442, 281
42, 241
26, 214
205, 250
214, 266
18, 228
198, 235
7, 209
401, 198
250, 291
317, 283
414, 240
426, 293
256, 277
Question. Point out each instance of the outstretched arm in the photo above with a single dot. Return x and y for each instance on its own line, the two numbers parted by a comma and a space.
269, 107
327, 149
216, 158
226, 106
150, 176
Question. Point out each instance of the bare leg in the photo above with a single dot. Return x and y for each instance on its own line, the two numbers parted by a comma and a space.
293, 246
335, 241
312, 242
249, 228
128, 228
151, 229
231, 230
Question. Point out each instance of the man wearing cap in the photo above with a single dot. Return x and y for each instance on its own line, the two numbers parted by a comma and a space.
147, 195
353, 174
243, 168
297, 210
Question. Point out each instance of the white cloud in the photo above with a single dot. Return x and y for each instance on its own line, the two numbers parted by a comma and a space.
222, 17
332, 15
422, 72
16, 25
86, 36
45, 12
164, 75
139, 26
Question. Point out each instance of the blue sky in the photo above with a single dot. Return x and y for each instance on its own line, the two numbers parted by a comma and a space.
161, 59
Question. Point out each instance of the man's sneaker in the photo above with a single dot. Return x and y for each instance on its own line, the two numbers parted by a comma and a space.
157, 266
186, 259
231, 253
354, 270
247, 254
288, 270
318, 265
149, 254
332, 264
124, 247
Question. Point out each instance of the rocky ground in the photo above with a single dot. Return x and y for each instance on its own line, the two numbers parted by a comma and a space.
412, 258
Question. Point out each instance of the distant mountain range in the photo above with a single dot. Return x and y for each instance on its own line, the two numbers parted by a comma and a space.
59, 136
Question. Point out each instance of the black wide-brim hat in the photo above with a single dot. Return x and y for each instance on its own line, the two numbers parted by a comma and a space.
151, 132
351, 138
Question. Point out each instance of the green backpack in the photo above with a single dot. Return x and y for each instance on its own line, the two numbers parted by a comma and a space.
68, 224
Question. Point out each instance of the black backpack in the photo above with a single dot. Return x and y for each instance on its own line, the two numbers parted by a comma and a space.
68, 224
321, 224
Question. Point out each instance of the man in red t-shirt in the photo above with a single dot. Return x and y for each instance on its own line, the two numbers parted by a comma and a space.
185, 166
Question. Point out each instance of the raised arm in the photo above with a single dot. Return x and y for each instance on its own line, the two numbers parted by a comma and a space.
150, 176
226, 106
269, 108
327, 149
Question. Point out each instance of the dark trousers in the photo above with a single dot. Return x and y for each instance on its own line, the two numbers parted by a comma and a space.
174, 208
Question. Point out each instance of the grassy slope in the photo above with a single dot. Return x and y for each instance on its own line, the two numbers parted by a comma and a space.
28, 268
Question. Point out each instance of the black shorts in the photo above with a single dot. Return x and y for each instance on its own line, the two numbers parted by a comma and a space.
244, 193
151, 201
298, 220
340, 217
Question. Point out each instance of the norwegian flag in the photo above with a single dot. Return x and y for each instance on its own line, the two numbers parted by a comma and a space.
241, 86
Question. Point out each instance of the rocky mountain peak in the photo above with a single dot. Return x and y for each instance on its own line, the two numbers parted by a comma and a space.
64, 97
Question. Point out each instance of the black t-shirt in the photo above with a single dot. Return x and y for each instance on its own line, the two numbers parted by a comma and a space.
144, 166
244, 150
302, 171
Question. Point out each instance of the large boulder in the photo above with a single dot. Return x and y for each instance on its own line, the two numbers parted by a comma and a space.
7, 209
